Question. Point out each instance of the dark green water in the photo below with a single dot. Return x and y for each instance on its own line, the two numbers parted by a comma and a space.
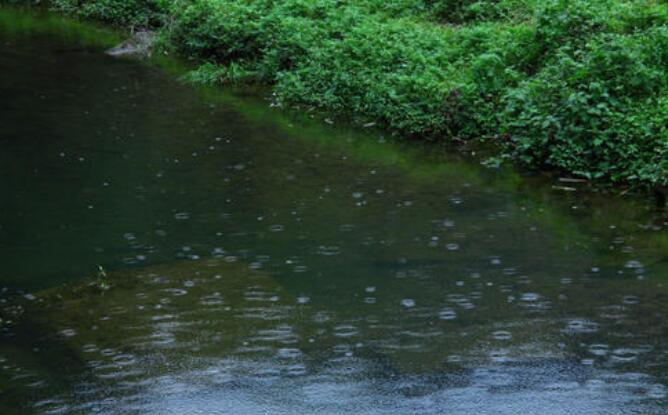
264, 263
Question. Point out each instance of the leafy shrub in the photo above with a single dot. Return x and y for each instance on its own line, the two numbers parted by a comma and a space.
575, 85
577, 113
464, 11
137, 13
379, 69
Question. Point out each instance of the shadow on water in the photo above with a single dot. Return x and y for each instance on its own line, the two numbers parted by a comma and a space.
265, 263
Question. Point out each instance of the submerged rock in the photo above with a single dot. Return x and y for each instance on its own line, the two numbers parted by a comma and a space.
138, 45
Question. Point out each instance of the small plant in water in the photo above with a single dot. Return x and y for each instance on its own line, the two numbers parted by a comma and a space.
101, 283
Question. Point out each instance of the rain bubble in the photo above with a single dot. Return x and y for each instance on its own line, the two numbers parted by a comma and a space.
303, 299
502, 335
447, 314
68, 332
529, 297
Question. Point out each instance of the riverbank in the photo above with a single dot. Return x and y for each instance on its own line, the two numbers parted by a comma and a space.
170, 249
578, 87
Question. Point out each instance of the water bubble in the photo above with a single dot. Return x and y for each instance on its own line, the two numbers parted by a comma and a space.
288, 353
408, 303
624, 355
630, 299
447, 314
598, 349
212, 299
577, 326
499, 356
89, 348
176, 292
68, 332
345, 330
456, 200
502, 335
328, 250
303, 299
530, 297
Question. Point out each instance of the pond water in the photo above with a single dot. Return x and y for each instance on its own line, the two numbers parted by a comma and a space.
262, 262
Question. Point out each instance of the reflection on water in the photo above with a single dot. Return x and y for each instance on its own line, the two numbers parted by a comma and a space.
210, 336
265, 264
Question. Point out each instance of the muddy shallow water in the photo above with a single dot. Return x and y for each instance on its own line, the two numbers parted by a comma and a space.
266, 263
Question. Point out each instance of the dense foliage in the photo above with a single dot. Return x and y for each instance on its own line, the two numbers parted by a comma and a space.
132, 13
574, 85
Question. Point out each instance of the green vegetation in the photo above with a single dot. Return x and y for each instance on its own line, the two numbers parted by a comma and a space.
579, 86
102, 282
132, 13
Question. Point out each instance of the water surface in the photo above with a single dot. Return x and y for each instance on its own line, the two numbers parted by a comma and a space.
265, 263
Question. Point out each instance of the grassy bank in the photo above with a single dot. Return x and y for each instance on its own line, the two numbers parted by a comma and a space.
577, 86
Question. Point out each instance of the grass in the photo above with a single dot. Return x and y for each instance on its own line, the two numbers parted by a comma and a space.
576, 86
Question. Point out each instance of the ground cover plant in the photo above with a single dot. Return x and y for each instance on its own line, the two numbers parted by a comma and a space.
577, 86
